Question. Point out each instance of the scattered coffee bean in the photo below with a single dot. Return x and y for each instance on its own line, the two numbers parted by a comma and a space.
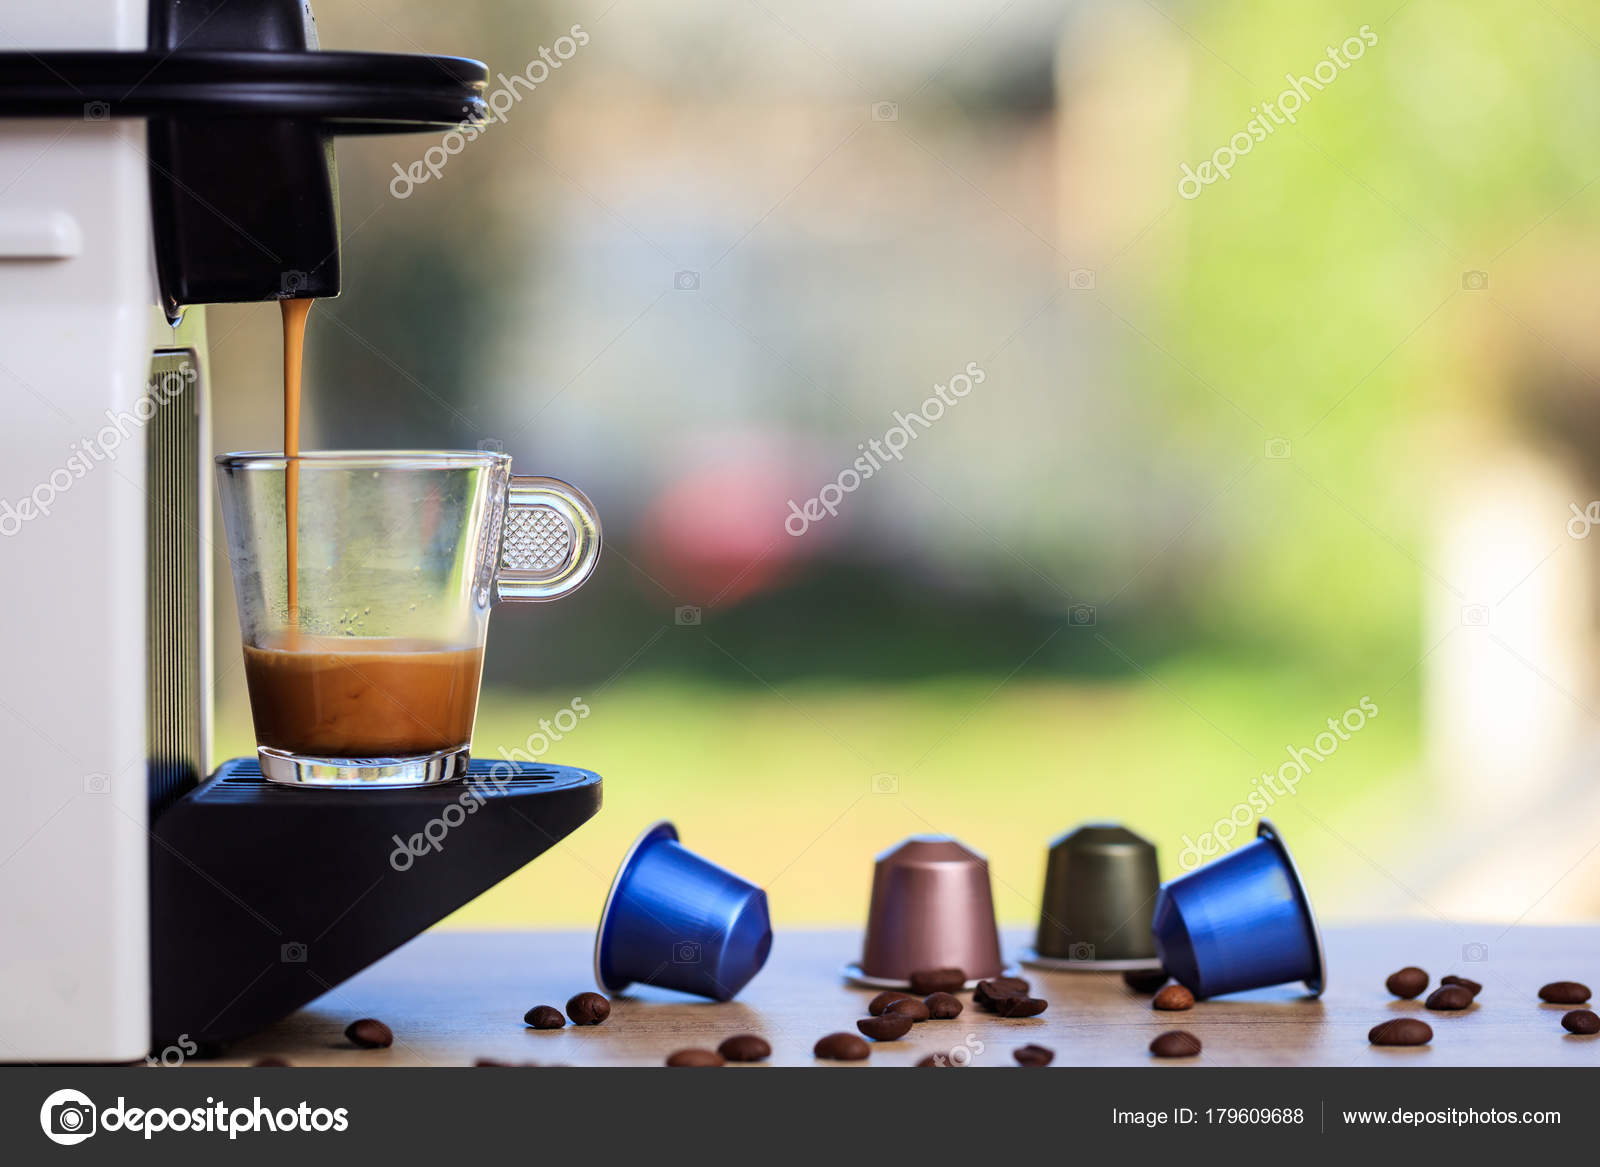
1175, 1043
544, 1017
1004, 987
1173, 998
986, 993
886, 998
1581, 1021
843, 1047
1401, 1031
1449, 998
588, 1009
1020, 1006
1408, 983
280, 1062
1033, 1055
1564, 993
943, 1006
745, 1047
937, 980
910, 1007
1145, 980
1472, 987
695, 1057
369, 1034
885, 1027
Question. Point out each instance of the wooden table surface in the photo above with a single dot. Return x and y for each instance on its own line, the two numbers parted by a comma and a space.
454, 997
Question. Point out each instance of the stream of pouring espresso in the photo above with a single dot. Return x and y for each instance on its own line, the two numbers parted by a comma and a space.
294, 345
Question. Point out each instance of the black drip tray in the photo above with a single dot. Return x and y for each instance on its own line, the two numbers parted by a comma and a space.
264, 896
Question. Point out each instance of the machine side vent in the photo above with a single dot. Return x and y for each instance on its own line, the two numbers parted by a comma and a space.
174, 540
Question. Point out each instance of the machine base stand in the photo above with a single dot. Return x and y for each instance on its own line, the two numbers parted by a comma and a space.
263, 897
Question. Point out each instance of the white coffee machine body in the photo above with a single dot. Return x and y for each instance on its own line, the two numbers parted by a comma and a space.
77, 302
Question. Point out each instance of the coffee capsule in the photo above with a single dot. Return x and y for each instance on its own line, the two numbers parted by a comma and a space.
1241, 922
931, 909
1100, 889
677, 921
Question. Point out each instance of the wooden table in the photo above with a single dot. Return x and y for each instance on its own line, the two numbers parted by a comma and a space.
454, 997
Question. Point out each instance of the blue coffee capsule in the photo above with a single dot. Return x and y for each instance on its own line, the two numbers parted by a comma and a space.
677, 921
1241, 922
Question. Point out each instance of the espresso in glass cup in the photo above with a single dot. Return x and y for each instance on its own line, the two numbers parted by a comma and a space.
366, 671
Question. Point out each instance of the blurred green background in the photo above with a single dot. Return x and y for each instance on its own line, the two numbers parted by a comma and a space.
1238, 461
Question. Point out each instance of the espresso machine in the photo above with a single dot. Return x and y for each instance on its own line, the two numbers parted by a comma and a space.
157, 156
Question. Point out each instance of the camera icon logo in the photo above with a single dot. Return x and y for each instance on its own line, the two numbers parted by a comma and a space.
1081, 279
67, 1117
97, 784
293, 953
686, 952
1475, 952
686, 281
686, 616
886, 111
1474, 281
885, 784
1081, 615
492, 446
1277, 449
1475, 616
291, 282
96, 111
1081, 951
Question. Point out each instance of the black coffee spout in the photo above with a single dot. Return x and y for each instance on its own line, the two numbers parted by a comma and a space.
242, 110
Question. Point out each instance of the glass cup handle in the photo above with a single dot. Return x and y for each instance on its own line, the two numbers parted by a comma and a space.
550, 541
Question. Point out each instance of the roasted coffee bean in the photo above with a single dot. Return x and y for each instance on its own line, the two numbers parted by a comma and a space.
369, 1034
588, 1009
1449, 998
1033, 1055
986, 993
885, 1027
1145, 980
1175, 1043
1564, 993
544, 1017
1472, 987
1401, 1031
1579, 1021
1408, 983
910, 1007
1173, 998
695, 1057
943, 1006
937, 980
745, 1047
1019, 1006
843, 1047
269, 1061
886, 998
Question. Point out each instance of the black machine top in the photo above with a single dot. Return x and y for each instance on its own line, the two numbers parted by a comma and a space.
241, 107
345, 93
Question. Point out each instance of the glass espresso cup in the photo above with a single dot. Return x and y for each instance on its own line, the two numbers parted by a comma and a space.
365, 672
